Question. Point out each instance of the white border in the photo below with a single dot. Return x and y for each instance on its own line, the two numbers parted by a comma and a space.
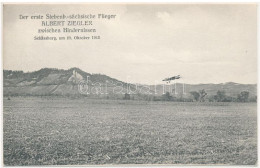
127, 1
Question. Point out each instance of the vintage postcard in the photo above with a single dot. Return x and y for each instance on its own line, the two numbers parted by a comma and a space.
129, 84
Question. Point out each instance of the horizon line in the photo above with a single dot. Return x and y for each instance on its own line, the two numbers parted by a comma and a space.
132, 82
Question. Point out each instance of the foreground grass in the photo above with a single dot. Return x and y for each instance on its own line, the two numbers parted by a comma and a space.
80, 132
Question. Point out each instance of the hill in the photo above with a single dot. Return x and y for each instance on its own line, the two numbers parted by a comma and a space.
75, 82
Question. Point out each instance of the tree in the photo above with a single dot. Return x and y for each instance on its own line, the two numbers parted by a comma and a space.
243, 96
220, 97
167, 97
199, 96
196, 95
127, 96
202, 95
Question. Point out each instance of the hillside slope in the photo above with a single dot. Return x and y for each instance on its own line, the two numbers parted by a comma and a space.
47, 82
52, 82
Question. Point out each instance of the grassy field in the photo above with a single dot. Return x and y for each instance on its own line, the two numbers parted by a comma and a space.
71, 132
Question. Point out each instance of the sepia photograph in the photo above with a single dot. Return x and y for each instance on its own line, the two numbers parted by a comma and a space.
129, 84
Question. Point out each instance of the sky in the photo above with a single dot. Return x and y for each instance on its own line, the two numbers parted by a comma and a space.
145, 43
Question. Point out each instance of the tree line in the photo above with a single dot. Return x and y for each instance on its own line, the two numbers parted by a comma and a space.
202, 96
221, 96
